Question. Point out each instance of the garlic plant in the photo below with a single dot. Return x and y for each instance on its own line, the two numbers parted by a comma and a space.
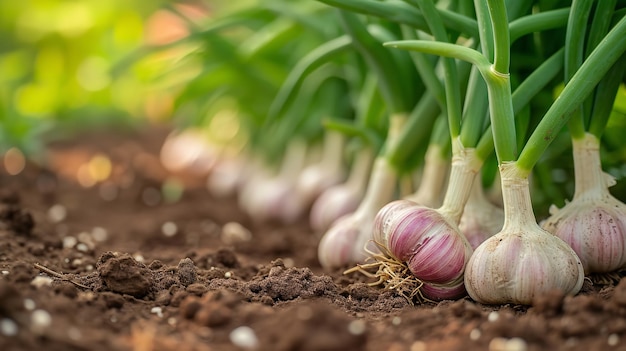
272, 197
522, 261
344, 242
428, 240
594, 222
342, 199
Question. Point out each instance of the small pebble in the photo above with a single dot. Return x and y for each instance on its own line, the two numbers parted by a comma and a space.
82, 247
5, 272
169, 229
41, 281
357, 327
493, 316
233, 233
29, 304
99, 234
57, 213
244, 337
613, 339
139, 258
228, 274
475, 334
8, 327
396, 320
503, 344
69, 242
40, 320
158, 311
172, 321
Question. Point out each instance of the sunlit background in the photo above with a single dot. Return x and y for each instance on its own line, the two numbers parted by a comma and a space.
67, 65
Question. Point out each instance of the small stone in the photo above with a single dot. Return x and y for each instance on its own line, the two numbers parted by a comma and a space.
158, 311
8, 327
41, 281
99, 234
234, 233
357, 327
613, 339
40, 320
396, 320
475, 334
29, 304
57, 213
69, 242
493, 316
169, 229
244, 337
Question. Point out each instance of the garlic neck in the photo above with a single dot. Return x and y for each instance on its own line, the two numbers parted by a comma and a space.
590, 181
361, 169
464, 167
380, 189
433, 177
293, 160
518, 209
332, 157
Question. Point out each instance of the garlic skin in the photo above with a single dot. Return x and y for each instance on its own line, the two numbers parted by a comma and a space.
430, 245
594, 222
522, 261
428, 240
481, 219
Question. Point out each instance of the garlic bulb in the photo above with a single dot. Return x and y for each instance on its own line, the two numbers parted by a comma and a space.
428, 240
481, 219
342, 199
345, 242
594, 222
522, 261
268, 198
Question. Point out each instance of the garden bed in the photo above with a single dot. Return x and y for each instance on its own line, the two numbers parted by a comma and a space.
117, 266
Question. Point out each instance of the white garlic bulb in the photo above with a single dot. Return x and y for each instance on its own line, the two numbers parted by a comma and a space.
522, 261
594, 222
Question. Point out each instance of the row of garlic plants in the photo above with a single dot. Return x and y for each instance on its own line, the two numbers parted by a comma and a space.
391, 123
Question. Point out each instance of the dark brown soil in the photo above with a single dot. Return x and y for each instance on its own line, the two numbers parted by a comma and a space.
102, 275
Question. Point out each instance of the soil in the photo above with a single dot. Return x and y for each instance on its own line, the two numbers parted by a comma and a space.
118, 266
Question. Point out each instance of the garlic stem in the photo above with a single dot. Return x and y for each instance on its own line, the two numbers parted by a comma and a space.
361, 167
464, 167
590, 181
433, 178
332, 157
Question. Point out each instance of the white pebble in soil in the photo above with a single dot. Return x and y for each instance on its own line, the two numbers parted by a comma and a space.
357, 327
41, 281
158, 311
169, 229
40, 320
57, 213
233, 233
504, 344
29, 304
99, 234
244, 337
8, 327
493, 316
